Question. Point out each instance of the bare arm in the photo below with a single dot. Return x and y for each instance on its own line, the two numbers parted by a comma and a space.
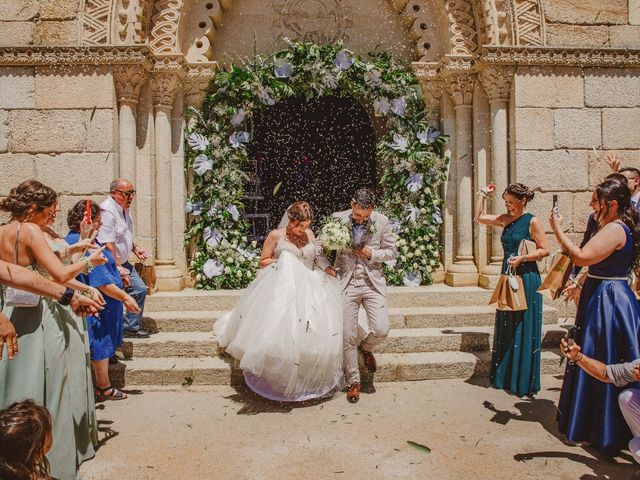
607, 240
480, 215
593, 367
266, 255
42, 252
113, 291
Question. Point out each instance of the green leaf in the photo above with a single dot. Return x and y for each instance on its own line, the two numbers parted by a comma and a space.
418, 446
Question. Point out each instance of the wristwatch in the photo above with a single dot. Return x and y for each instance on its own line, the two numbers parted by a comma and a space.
65, 300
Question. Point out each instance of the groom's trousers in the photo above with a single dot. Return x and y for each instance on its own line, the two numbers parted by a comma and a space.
362, 292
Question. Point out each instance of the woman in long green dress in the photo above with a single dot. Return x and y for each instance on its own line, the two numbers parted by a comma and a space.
517, 338
51, 365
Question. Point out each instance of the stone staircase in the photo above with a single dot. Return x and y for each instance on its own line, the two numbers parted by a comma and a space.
436, 332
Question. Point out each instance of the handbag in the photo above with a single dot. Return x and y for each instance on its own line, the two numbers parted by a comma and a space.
557, 277
527, 247
148, 275
509, 295
14, 297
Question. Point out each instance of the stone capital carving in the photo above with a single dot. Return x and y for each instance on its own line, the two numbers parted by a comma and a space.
164, 88
129, 79
460, 88
497, 82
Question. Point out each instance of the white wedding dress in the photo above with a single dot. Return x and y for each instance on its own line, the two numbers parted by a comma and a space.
286, 329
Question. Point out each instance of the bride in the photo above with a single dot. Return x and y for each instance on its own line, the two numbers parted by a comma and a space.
286, 330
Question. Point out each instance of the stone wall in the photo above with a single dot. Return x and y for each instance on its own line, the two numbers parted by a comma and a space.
566, 120
593, 23
58, 125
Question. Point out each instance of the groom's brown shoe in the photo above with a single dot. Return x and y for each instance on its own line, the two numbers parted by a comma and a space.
353, 394
369, 360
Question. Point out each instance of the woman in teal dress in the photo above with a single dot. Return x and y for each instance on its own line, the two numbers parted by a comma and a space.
515, 360
52, 364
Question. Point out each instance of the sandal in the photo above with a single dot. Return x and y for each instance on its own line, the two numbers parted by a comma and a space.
114, 393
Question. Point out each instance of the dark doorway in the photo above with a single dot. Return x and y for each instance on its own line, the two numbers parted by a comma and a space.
319, 151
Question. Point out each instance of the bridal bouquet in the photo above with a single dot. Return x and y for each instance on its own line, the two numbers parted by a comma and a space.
335, 236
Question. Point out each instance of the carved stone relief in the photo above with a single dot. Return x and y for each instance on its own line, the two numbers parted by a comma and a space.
128, 81
462, 26
529, 22
130, 21
164, 30
319, 21
497, 82
96, 22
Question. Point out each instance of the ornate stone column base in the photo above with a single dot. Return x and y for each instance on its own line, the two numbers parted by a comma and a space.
168, 276
439, 274
462, 274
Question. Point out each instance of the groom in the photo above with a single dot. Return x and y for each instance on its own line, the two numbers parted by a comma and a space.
363, 283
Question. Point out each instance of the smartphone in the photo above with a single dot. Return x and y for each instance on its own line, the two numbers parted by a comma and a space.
87, 211
556, 210
569, 337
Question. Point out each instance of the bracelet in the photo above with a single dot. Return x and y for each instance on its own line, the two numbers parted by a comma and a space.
483, 193
87, 269
65, 300
579, 357
88, 293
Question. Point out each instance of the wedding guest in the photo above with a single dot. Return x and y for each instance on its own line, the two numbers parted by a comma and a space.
105, 330
52, 368
607, 320
25, 438
19, 277
592, 226
619, 374
117, 235
515, 362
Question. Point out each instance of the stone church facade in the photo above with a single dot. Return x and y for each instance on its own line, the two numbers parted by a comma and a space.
536, 91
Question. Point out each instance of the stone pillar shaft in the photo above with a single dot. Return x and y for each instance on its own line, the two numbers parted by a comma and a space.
164, 91
463, 271
499, 166
127, 140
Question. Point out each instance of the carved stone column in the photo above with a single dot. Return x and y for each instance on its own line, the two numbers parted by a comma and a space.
463, 271
164, 86
497, 83
128, 80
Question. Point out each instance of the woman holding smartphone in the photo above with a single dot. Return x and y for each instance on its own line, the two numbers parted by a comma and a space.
607, 320
515, 362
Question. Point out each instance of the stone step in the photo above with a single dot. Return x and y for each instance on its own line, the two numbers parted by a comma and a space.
172, 371
416, 317
176, 344
439, 295
465, 339
402, 340
391, 367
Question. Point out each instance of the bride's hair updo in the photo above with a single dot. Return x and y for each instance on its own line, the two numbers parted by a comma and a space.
519, 191
30, 192
299, 212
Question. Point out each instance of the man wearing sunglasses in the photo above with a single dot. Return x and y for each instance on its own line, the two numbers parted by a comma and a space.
116, 234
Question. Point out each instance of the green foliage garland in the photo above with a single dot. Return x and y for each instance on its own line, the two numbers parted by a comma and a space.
217, 137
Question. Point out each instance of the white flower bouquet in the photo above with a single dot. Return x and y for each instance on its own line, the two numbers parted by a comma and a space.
335, 236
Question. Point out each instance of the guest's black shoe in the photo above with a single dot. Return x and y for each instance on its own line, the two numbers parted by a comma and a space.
136, 334
369, 360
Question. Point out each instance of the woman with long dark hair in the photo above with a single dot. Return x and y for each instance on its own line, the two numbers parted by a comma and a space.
515, 362
607, 320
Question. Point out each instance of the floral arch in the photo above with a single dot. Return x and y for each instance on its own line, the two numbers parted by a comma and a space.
411, 152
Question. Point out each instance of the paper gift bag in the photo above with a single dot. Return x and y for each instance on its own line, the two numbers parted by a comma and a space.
509, 295
557, 277
148, 275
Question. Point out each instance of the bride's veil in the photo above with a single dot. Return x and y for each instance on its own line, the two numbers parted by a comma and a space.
285, 219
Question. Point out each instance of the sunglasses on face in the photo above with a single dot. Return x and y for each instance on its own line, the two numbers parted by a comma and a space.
126, 193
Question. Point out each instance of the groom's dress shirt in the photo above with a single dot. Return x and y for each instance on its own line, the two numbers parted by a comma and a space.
357, 232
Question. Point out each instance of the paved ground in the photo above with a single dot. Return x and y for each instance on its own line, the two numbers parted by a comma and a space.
474, 432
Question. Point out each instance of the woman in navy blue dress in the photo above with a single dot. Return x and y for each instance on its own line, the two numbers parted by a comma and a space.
105, 330
607, 321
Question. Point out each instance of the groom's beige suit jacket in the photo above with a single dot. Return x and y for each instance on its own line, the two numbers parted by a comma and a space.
382, 241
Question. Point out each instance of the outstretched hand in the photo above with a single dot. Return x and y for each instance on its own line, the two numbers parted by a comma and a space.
613, 161
8, 336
